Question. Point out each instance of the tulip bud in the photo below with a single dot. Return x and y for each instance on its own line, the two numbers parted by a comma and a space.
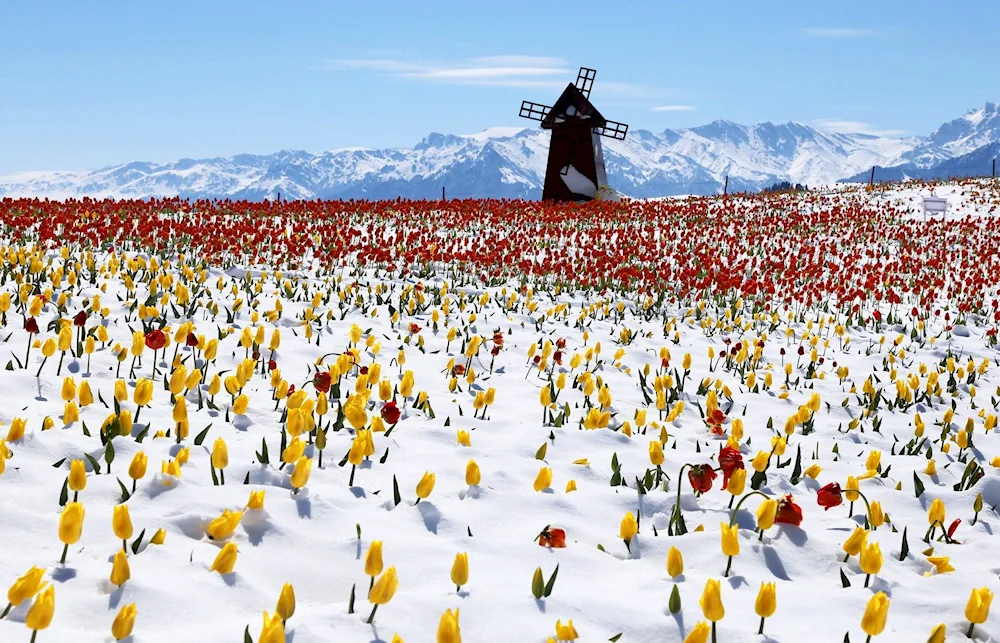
472, 473
77, 475
426, 485
120, 571
460, 570
286, 602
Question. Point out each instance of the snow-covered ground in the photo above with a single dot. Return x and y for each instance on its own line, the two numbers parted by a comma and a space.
318, 539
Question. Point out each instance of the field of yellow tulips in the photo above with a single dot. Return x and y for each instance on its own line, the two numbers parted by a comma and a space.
781, 428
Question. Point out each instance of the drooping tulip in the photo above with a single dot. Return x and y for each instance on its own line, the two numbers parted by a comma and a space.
24, 588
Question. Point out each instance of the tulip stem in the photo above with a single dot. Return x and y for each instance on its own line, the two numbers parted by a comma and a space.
350, 482
761, 630
34, 633
62, 560
728, 567
371, 616
868, 577
869, 639
972, 626
7, 609
371, 584
39, 373
867, 507
222, 476
713, 633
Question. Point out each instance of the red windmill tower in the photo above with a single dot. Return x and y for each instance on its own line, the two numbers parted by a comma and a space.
575, 169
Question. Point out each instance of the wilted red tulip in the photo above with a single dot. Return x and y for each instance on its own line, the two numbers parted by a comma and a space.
830, 495
701, 477
730, 460
191, 340
788, 512
552, 537
31, 325
80, 318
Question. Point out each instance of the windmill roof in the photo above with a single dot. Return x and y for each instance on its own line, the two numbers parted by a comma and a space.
573, 105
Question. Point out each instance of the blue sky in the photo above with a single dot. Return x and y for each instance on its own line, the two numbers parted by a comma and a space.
87, 84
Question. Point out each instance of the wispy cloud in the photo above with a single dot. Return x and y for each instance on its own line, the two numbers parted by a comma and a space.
838, 32
490, 71
854, 127
672, 108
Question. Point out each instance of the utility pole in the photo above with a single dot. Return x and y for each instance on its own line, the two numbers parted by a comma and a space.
442, 193
994, 172
725, 186
871, 181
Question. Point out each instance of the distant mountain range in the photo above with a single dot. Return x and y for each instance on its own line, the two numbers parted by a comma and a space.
510, 163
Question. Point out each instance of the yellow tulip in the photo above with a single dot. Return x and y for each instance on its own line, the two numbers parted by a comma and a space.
448, 630
220, 454
25, 587
225, 561
121, 522
137, 468
39, 615
851, 489
425, 486
873, 621
566, 632
870, 560
656, 453
124, 622
730, 540
143, 393
737, 482
472, 473
120, 571
978, 607
224, 525
711, 601
159, 537
240, 405
16, 431
936, 512
766, 513
544, 479
460, 570
77, 475
675, 563
373, 559
766, 603
68, 389
286, 602
629, 528
699, 633
300, 476
463, 438
70, 525
937, 634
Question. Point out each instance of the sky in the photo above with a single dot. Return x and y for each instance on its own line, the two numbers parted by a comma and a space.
90, 84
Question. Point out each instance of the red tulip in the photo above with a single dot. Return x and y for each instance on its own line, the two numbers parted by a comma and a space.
390, 412
322, 381
788, 512
829, 495
31, 325
191, 340
701, 477
155, 339
552, 537
730, 460
80, 318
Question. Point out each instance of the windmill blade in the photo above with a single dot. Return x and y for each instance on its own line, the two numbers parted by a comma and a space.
534, 111
613, 129
585, 80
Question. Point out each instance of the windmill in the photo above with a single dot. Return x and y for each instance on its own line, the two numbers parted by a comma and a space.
575, 169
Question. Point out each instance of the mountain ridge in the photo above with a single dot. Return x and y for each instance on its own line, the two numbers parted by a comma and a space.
506, 162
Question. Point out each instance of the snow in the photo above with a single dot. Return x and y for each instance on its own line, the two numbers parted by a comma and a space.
310, 539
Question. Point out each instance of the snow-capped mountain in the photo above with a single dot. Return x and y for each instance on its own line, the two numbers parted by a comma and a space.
510, 163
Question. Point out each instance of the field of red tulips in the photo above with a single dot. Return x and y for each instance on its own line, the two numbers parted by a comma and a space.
679, 420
